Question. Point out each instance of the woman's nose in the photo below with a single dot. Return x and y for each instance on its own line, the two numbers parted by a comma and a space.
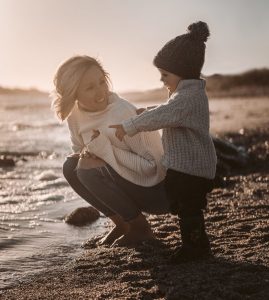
100, 91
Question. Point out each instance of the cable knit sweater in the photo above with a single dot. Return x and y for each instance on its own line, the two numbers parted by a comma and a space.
188, 146
136, 159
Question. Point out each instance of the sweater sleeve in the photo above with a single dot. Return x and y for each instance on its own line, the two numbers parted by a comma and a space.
134, 160
167, 115
77, 143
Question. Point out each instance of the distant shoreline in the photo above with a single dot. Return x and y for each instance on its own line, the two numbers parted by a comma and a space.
253, 83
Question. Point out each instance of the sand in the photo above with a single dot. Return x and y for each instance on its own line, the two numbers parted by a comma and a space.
238, 227
233, 114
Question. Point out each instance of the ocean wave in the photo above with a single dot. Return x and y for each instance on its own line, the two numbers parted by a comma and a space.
10, 242
17, 208
23, 126
18, 218
12, 175
51, 197
47, 176
51, 184
48, 221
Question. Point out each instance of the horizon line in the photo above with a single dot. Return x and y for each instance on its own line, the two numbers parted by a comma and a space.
43, 91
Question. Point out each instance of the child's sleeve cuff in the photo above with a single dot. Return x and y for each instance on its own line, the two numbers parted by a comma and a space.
129, 127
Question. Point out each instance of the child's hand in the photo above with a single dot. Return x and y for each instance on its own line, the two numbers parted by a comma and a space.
120, 132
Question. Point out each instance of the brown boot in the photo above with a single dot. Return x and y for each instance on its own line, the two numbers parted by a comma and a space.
120, 229
139, 231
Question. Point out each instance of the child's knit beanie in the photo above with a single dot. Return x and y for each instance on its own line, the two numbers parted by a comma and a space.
185, 54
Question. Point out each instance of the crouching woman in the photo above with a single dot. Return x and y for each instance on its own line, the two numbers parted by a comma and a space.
121, 179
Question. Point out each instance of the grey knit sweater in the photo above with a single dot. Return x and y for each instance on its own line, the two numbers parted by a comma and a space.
188, 146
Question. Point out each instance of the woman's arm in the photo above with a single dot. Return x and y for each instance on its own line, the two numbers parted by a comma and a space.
142, 109
137, 159
77, 143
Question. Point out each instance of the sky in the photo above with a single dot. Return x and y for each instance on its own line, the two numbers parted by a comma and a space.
38, 35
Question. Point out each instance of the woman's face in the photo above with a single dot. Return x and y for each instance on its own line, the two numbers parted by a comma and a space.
169, 80
92, 93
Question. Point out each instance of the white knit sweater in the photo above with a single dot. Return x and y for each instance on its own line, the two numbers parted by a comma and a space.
136, 159
188, 146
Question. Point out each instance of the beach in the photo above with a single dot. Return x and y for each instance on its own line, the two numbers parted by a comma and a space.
236, 219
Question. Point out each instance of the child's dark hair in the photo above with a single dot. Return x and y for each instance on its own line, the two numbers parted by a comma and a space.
185, 54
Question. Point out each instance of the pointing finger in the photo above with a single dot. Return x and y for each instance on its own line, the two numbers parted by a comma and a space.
113, 126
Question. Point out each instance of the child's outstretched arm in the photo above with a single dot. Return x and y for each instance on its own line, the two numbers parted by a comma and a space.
120, 132
171, 114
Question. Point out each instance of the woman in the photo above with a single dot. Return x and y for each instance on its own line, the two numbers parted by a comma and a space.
119, 178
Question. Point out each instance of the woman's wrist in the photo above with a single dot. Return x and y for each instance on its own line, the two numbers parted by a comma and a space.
75, 155
151, 107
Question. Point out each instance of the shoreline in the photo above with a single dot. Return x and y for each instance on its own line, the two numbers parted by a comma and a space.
237, 223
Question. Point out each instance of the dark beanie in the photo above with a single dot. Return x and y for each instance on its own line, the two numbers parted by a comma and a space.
185, 54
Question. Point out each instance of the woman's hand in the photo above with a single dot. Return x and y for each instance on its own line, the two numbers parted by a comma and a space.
120, 132
76, 155
140, 110
96, 133
151, 107
89, 161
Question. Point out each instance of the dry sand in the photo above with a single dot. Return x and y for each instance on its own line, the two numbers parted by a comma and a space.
238, 226
233, 114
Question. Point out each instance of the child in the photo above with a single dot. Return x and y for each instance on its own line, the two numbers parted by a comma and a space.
189, 153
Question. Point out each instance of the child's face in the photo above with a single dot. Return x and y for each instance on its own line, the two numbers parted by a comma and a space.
169, 80
92, 93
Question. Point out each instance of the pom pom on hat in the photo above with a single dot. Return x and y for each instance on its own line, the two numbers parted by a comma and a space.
199, 31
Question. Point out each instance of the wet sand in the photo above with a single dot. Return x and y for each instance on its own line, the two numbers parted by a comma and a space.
238, 226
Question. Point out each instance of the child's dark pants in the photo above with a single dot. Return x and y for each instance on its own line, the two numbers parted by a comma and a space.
187, 197
187, 193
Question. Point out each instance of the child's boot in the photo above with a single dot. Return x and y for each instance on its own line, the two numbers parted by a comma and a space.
195, 242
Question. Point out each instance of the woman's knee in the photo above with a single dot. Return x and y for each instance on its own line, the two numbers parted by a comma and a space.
69, 167
89, 177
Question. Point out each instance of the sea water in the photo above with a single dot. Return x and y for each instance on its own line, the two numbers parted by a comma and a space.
34, 196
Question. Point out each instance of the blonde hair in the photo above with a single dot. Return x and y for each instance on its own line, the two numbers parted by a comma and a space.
67, 80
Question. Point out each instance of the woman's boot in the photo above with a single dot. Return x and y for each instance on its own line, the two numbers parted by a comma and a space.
121, 228
139, 231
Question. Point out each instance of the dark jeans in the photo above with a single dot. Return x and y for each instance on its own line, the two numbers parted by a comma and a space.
111, 194
187, 193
